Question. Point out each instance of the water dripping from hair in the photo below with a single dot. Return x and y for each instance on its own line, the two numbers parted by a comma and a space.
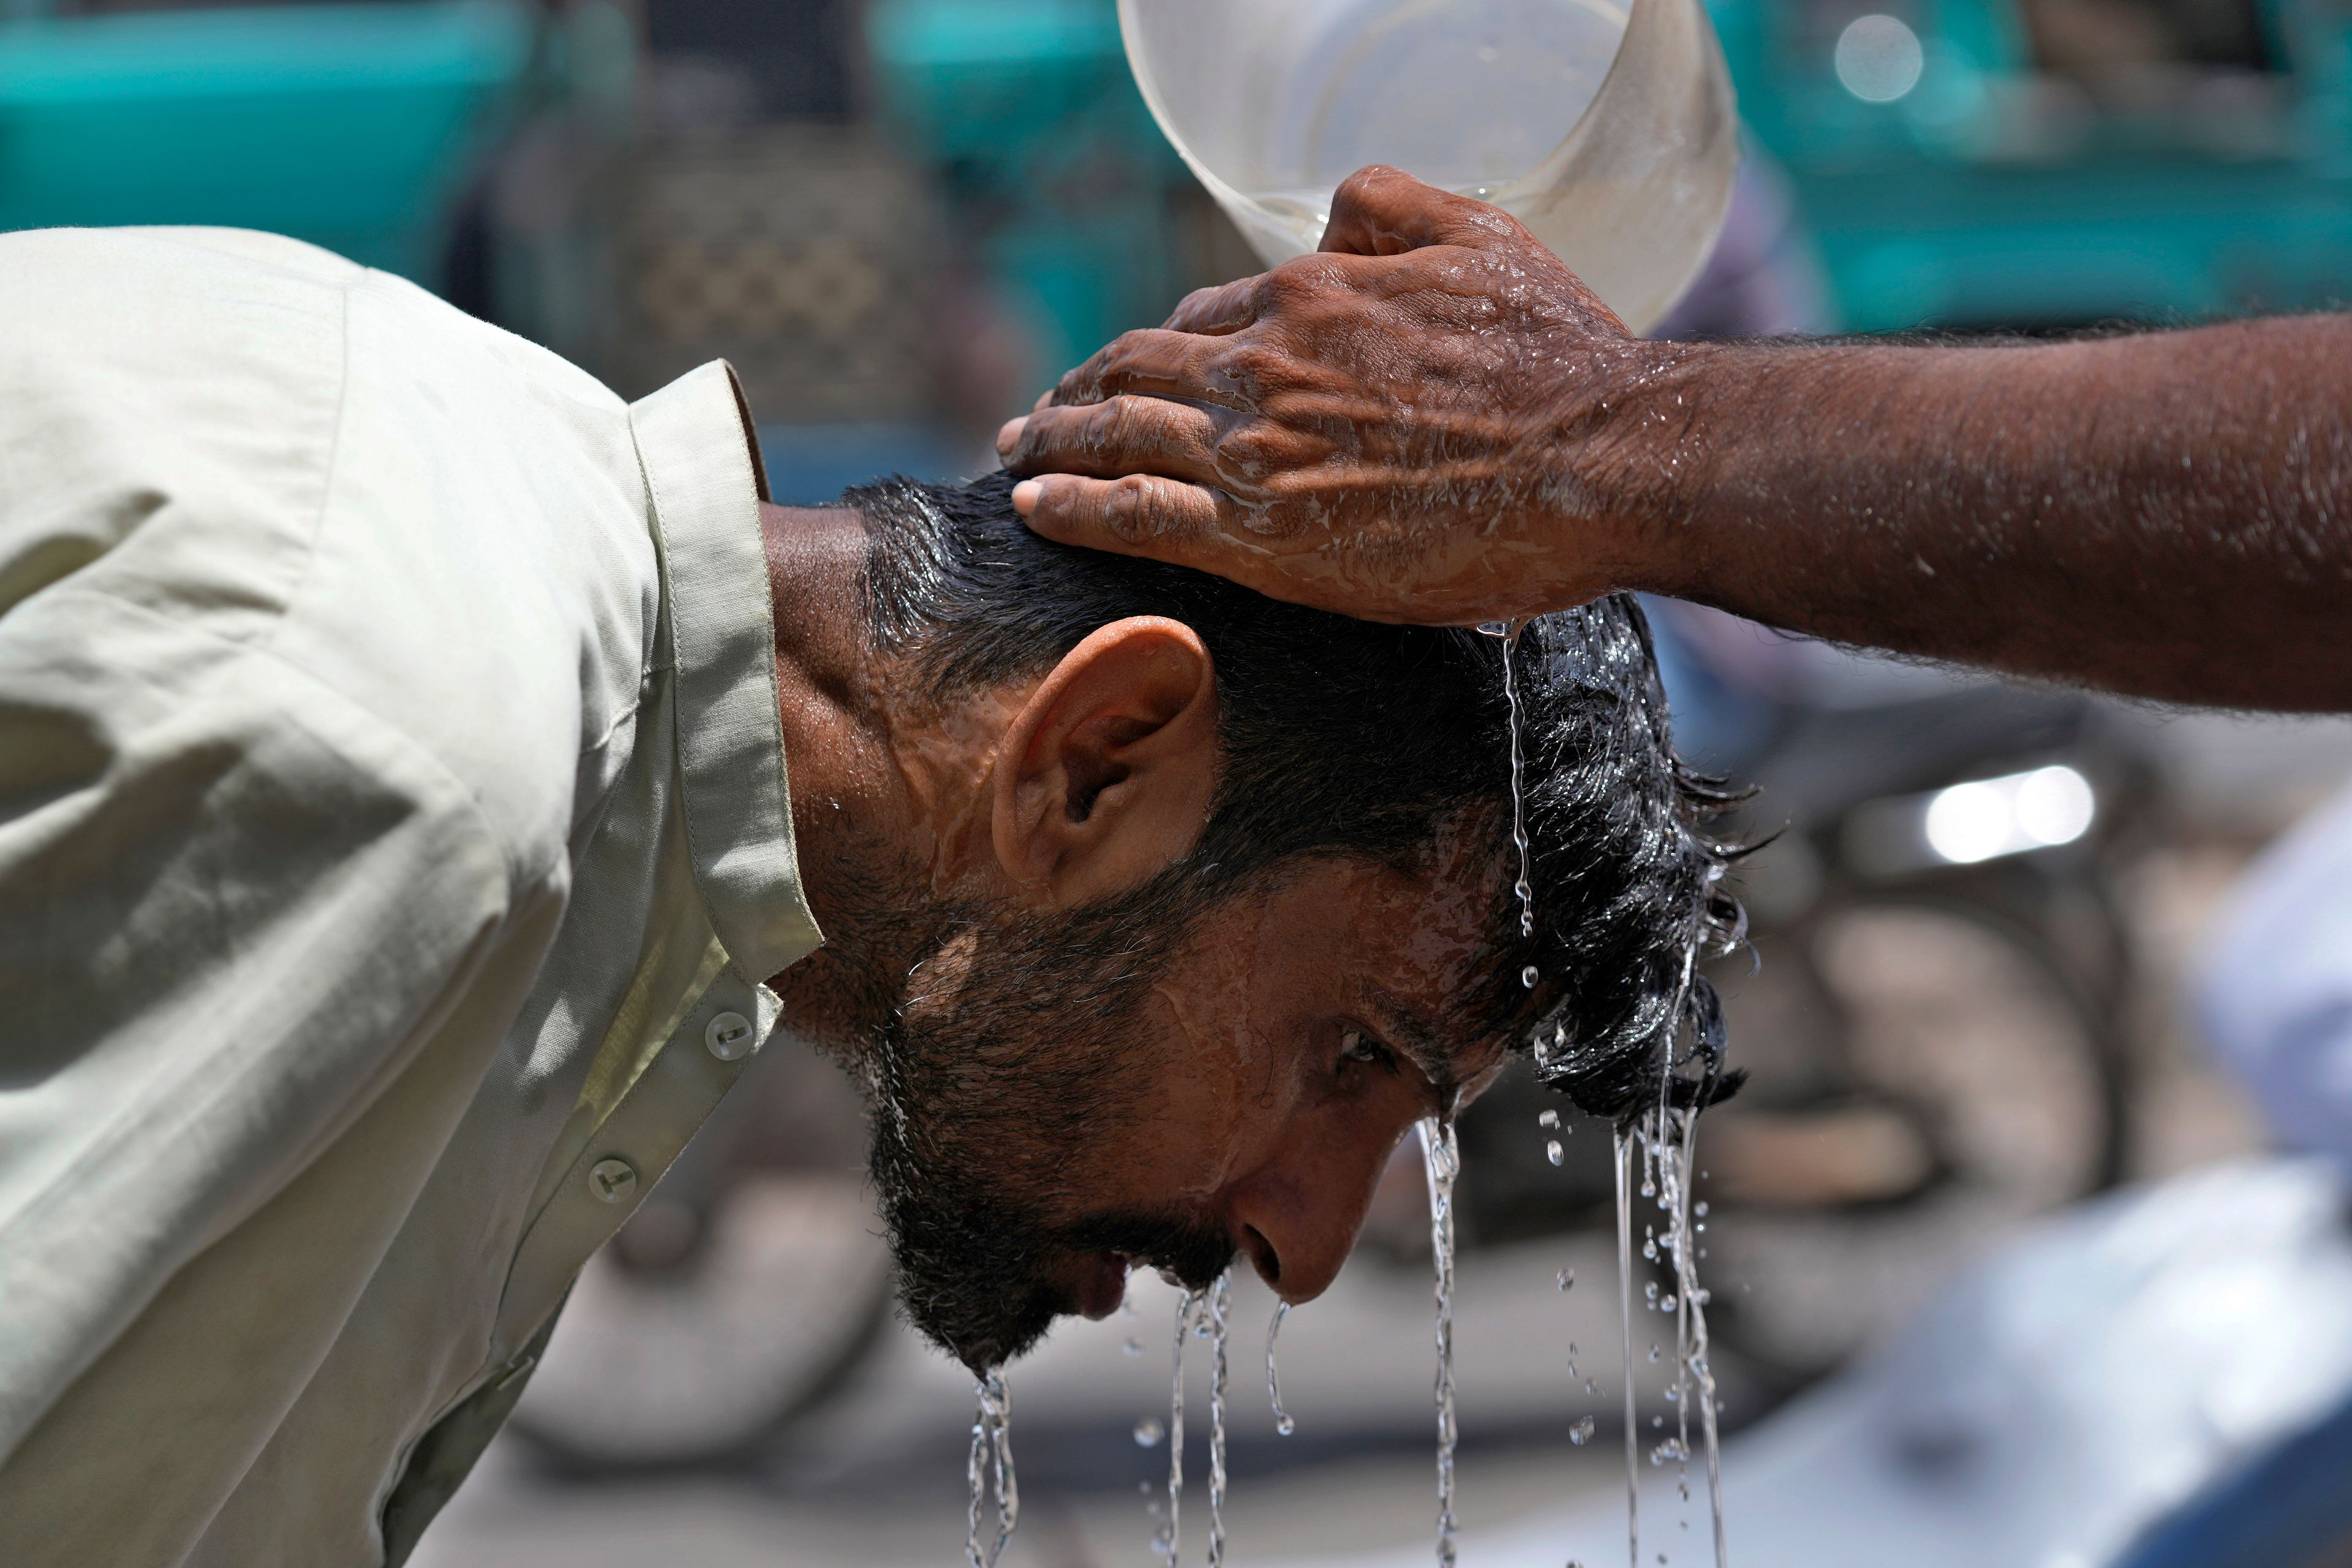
1656, 1146
1508, 634
1624, 1149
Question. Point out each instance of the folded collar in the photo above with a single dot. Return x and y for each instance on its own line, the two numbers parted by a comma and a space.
702, 471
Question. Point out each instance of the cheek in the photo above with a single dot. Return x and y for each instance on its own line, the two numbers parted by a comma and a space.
1227, 1046
1233, 1088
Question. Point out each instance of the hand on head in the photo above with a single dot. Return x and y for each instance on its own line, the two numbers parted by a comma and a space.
1394, 428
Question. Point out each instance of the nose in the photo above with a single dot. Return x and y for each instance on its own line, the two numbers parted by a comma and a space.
1299, 1216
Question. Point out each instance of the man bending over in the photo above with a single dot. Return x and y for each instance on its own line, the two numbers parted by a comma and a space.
424, 783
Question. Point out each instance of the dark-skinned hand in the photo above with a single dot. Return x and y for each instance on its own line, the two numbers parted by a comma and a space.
1411, 424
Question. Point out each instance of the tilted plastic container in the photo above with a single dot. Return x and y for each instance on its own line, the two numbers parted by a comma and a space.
1608, 128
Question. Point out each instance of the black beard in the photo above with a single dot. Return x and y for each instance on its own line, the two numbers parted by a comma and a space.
987, 1096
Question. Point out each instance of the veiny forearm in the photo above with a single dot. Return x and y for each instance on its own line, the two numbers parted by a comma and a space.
2167, 515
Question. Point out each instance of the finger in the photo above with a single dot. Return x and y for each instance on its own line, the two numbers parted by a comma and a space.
1120, 436
1141, 514
1226, 307
1381, 210
1151, 361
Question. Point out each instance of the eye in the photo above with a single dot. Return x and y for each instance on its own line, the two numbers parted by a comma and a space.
1355, 1048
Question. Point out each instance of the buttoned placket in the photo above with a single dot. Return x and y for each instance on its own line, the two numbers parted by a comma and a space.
716, 1041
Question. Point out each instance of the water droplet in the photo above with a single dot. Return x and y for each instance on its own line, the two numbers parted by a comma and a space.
1581, 1433
1566, 1277
1149, 1431
1529, 975
1281, 1421
1650, 1292
1653, 1353
1551, 1152
1668, 1304
1132, 1347
1699, 1208
1549, 1119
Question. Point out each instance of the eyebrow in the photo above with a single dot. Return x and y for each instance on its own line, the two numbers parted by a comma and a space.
1420, 1040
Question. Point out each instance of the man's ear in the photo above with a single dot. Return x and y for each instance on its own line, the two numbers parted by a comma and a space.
1105, 775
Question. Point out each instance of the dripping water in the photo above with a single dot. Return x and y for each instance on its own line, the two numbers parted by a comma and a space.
991, 1463
1167, 1540
1281, 1421
1671, 1147
1219, 1301
1624, 1152
1508, 634
1443, 1158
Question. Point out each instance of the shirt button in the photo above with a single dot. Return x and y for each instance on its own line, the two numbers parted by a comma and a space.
729, 1036
613, 1180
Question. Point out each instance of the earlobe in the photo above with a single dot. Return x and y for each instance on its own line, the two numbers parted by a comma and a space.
1105, 775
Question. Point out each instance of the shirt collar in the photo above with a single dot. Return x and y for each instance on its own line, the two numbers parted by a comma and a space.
702, 471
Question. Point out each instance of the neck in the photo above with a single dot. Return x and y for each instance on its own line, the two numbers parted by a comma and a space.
888, 799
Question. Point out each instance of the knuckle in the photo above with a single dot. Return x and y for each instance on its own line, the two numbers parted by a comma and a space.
1124, 508
1118, 424
1126, 354
1201, 303
1251, 366
1052, 434
1297, 282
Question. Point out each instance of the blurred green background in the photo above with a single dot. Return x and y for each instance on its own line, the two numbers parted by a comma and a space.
902, 218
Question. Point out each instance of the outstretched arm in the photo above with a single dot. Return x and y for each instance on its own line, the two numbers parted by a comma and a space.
1434, 421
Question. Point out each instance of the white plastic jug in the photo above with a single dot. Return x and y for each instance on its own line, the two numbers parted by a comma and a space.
1606, 126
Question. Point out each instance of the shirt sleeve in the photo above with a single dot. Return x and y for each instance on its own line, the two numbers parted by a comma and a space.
232, 904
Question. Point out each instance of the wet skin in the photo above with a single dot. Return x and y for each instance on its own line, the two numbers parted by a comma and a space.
1434, 421
1285, 1048
1291, 1048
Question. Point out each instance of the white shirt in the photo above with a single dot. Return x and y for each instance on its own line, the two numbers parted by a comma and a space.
394, 836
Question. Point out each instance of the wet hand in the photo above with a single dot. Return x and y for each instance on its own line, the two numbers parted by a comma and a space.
1419, 422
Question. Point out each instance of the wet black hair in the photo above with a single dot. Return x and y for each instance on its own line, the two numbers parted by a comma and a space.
1345, 737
